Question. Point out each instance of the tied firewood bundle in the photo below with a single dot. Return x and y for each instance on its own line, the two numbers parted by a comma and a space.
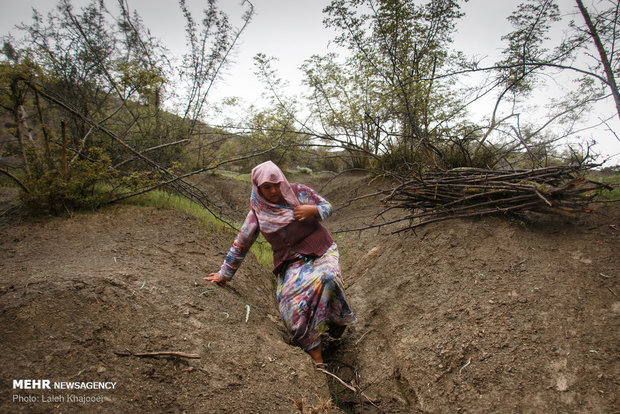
466, 192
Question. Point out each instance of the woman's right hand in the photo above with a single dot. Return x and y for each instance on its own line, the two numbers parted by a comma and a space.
215, 278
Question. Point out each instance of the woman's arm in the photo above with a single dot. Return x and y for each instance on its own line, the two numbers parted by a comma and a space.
311, 203
240, 247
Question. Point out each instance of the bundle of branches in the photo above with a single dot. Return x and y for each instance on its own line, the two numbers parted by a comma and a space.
465, 192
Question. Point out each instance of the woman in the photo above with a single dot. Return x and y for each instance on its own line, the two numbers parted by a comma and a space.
309, 293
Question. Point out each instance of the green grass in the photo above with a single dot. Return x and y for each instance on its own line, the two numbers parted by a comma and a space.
162, 199
244, 178
614, 181
262, 251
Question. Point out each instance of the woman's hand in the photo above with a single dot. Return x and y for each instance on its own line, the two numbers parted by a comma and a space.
215, 278
305, 212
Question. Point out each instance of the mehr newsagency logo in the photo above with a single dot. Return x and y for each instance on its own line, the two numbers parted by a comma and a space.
67, 389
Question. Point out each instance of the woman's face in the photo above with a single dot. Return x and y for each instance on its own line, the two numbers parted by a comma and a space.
271, 192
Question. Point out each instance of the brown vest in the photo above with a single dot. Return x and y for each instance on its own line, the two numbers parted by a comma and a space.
309, 238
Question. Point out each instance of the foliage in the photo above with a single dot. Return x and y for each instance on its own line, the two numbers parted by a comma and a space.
611, 177
85, 92
385, 103
344, 99
208, 54
53, 190
532, 22
393, 104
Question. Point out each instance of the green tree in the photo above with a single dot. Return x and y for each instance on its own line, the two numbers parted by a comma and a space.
394, 104
343, 100
86, 90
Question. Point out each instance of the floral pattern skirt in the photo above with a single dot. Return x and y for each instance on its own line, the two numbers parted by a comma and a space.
310, 294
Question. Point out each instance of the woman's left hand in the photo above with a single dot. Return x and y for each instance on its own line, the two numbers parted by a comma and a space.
215, 278
305, 212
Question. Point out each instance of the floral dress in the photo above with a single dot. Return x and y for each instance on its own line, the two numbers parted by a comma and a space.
310, 292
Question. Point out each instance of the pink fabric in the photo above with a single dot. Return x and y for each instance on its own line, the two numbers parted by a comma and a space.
272, 217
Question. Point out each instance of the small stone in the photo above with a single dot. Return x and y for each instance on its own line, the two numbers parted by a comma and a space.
561, 384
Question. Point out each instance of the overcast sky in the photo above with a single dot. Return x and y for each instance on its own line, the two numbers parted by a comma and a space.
292, 30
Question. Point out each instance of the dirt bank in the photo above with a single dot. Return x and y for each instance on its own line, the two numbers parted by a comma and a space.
488, 315
75, 291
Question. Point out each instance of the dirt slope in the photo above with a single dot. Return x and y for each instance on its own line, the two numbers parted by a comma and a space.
488, 315
75, 291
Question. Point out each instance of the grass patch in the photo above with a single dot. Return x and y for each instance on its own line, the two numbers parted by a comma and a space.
261, 249
614, 181
165, 200
244, 178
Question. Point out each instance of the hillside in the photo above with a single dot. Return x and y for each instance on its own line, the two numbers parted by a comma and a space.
484, 315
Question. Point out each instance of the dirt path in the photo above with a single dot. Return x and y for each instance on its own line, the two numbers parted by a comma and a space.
485, 315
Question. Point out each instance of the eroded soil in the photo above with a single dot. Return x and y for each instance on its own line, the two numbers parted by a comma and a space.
486, 315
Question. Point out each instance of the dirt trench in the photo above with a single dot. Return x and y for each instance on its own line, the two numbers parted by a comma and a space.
485, 315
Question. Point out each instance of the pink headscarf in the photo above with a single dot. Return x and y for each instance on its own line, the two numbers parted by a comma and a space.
272, 217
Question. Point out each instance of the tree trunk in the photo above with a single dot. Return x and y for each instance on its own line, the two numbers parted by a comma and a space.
611, 80
18, 130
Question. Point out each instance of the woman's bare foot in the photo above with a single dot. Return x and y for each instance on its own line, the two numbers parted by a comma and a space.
316, 354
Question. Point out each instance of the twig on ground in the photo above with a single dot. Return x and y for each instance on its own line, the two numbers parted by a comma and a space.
9, 210
361, 337
356, 390
349, 387
465, 366
36, 282
155, 354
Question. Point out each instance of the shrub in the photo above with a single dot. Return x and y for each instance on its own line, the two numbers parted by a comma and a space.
54, 189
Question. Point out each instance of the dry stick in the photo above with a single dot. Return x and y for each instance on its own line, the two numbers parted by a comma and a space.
177, 178
361, 337
36, 282
338, 175
456, 211
154, 354
430, 192
543, 198
473, 214
441, 218
15, 179
349, 387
